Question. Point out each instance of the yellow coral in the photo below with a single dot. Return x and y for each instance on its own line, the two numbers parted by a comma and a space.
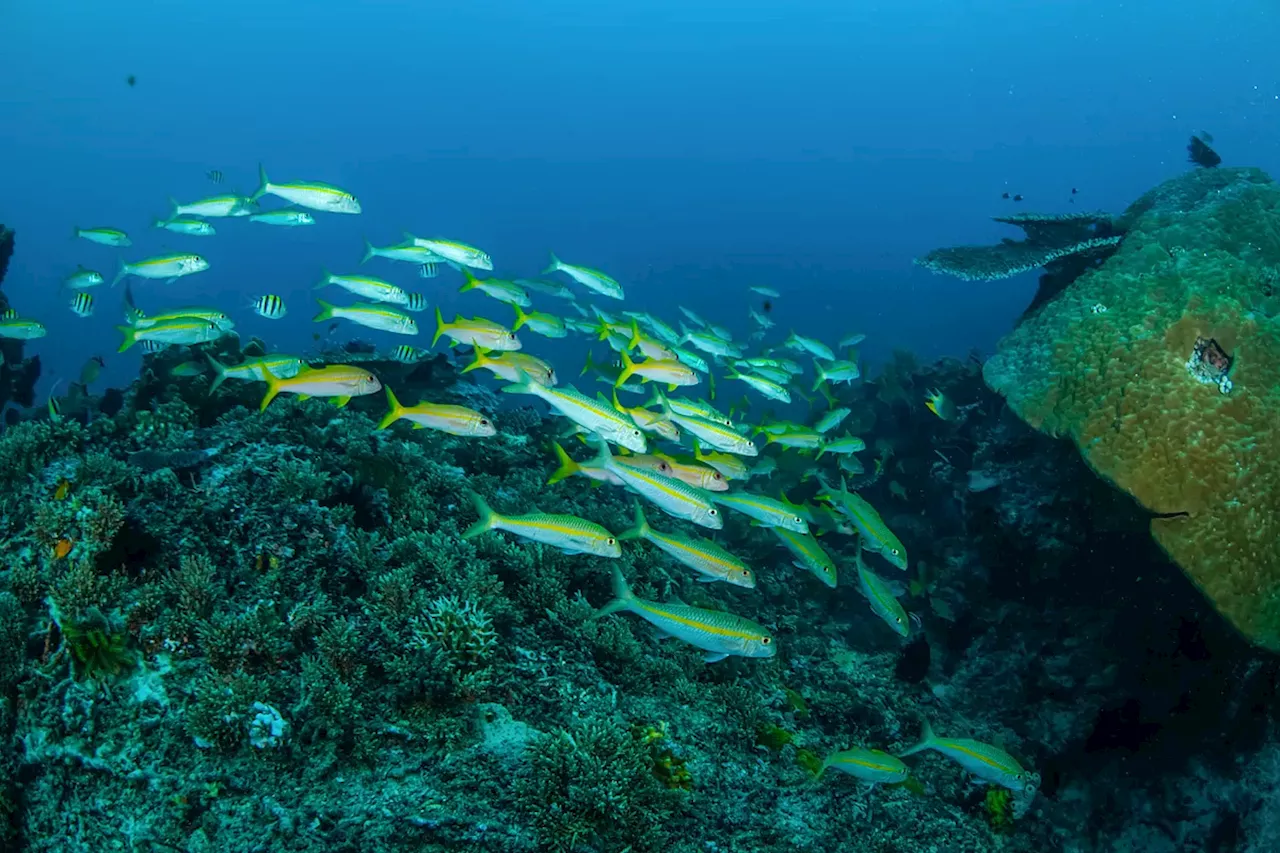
1109, 363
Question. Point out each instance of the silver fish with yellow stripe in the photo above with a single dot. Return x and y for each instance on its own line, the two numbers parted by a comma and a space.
674, 497
882, 600
568, 533
873, 766
370, 315
454, 420
769, 512
987, 762
310, 194
876, 535
705, 557
809, 555
717, 633
592, 415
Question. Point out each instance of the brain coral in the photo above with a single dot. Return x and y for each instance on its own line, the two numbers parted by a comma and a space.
1163, 366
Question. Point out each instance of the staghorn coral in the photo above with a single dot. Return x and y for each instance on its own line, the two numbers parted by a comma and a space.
1156, 367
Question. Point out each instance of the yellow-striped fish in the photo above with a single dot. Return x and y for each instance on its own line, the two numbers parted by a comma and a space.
717, 633
768, 511
283, 366
727, 464
697, 475
183, 330
312, 194
366, 287
670, 373
339, 381
808, 555
498, 288
713, 434
570, 534
476, 332
547, 325
167, 267
587, 277
371, 315
882, 601
649, 421
876, 535
705, 557
674, 497
509, 366
592, 415
455, 420
454, 252
104, 236
594, 470
987, 762
872, 766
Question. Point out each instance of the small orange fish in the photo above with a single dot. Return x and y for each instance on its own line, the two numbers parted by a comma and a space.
62, 548
64, 488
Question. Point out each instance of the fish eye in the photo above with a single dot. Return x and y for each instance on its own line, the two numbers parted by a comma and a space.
610, 541
635, 432
484, 422
766, 640
716, 476
713, 511
797, 519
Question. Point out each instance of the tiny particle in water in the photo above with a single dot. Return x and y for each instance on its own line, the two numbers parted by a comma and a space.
131, 80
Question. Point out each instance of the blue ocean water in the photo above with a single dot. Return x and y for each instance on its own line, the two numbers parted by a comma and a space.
688, 148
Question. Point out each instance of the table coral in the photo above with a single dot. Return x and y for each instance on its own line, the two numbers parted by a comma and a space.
1160, 368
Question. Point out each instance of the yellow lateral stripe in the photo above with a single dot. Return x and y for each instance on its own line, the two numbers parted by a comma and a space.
667, 489
869, 764
551, 526
690, 549
693, 623
991, 762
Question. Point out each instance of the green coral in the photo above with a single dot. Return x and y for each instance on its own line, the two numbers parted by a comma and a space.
96, 643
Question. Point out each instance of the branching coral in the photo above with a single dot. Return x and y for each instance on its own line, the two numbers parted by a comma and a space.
1050, 238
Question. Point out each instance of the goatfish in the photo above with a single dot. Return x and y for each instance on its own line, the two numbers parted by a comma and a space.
184, 225
671, 373
648, 421
987, 762
497, 288
766, 387
285, 216
183, 330
692, 359
547, 288
876, 535
217, 206
713, 434
765, 291
696, 474
547, 325
138, 320
836, 372
730, 466
711, 344
568, 533
454, 420
370, 315
941, 405
407, 252
882, 601
476, 332
813, 346
309, 194
587, 277
454, 253
250, 370
592, 415
20, 329
709, 560
674, 497
852, 341
170, 268
509, 366
103, 236
809, 555
596, 471
797, 438
868, 765
367, 287
831, 420
689, 408
767, 511
339, 381
718, 634
844, 445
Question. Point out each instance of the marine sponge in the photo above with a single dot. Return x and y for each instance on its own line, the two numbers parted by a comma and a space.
1156, 367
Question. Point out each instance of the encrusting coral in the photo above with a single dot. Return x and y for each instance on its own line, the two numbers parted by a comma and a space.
1157, 366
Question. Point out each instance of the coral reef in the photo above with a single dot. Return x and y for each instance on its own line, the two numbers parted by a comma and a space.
1050, 238
17, 375
1157, 365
